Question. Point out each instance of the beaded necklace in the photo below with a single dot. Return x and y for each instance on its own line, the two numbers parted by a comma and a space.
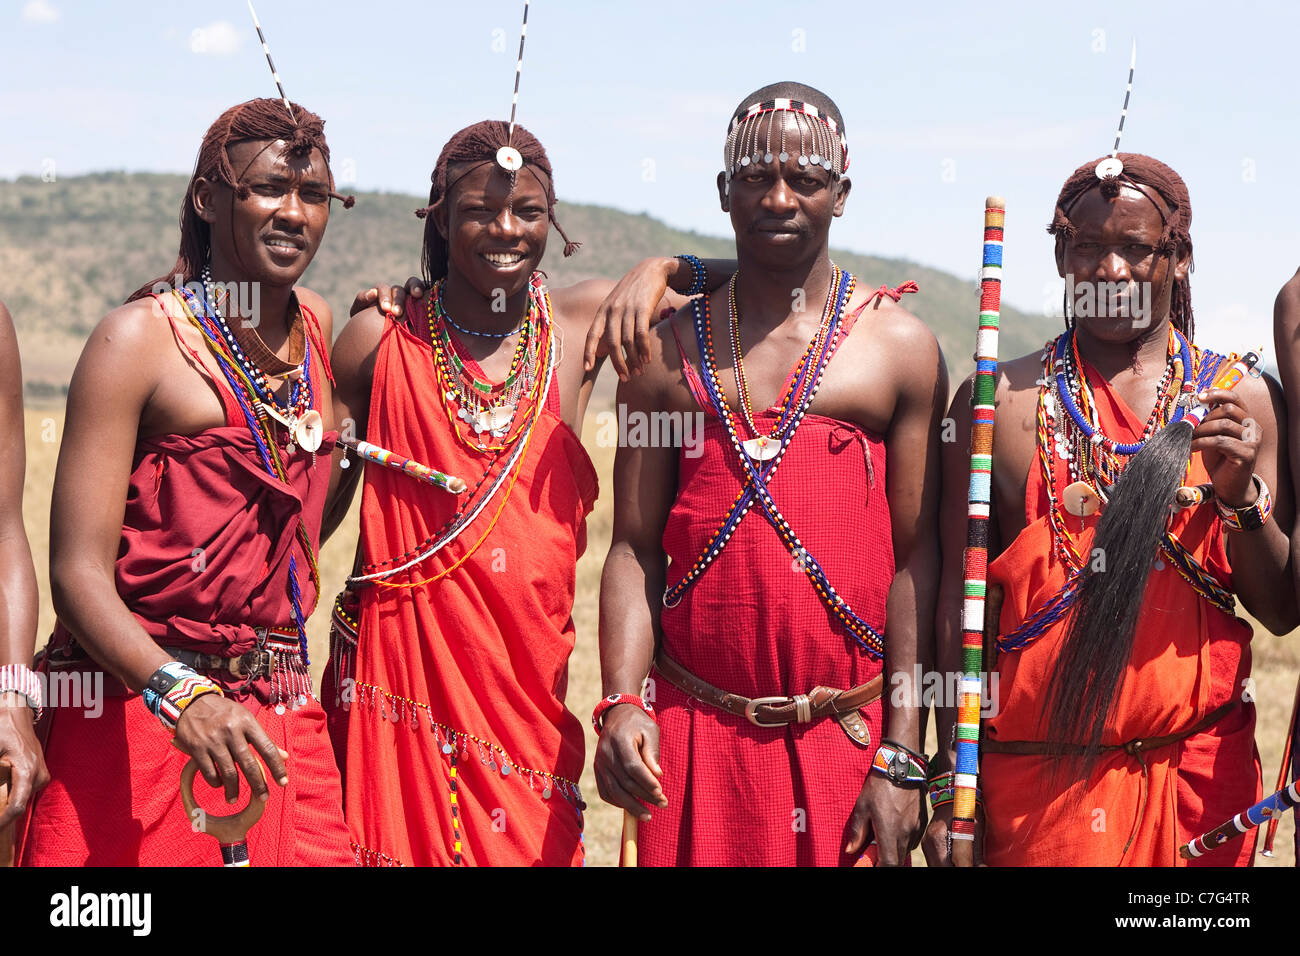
489, 409
242, 385
764, 446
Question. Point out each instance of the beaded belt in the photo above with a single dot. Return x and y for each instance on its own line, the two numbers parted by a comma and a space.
277, 658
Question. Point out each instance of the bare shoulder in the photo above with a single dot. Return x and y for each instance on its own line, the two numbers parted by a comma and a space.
137, 325
319, 308
358, 342
575, 305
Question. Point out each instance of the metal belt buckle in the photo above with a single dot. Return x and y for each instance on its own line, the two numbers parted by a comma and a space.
757, 702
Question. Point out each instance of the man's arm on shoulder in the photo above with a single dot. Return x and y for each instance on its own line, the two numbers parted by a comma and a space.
353, 359
1286, 342
632, 583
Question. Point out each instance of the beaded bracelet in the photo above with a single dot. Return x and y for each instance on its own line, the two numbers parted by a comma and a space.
701, 277
22, 680
598, 715
172, 688
899, 765
1252, 516
942, 789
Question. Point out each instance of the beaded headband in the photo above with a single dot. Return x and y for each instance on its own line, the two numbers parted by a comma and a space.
829, 146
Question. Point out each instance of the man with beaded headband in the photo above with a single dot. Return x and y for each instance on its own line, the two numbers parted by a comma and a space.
1115, 754
450, 649
186, 514
755, 584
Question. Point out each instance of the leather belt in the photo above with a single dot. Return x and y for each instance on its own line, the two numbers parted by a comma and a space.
818, 703
272, 643
1135, 747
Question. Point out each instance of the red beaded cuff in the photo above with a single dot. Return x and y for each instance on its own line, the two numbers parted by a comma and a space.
598, 715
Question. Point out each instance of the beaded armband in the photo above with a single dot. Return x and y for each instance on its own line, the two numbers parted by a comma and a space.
22, 680
598, 715
172, 688
1251, 517
701, 276
900, 766
942, 788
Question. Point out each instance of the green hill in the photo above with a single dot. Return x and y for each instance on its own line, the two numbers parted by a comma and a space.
72, 249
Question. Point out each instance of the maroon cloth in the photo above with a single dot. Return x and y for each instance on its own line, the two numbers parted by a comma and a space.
207, 535
753, 625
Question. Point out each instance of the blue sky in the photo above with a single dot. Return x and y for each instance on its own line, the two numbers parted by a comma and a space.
943, 103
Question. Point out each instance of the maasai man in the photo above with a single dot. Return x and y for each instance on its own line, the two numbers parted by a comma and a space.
1081, 768
1286, 340
450, 718
187, 505
20, 689
767, 634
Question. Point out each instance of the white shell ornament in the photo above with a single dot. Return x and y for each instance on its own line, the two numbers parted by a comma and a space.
1080, 500
309, 430
510, 159
761, 448
1108, 167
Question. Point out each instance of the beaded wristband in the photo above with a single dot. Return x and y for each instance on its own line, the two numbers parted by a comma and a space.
172, 688
942, 790
701, 277
598, 715
899, 766
22, 680
1252, 516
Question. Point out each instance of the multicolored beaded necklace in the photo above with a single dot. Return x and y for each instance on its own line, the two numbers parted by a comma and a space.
473, 503
489, 409
242, 376
1098, 460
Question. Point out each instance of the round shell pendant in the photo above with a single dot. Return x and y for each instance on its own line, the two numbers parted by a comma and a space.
1080, 500
510, 159
309, 430
761, 448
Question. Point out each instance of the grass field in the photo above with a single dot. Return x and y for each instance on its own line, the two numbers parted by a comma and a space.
1276, 659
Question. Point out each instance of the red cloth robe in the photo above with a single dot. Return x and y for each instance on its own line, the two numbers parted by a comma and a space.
113, 798
753, 625
479, 658
1188, 659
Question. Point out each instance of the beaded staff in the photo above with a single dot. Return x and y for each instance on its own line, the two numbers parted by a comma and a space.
1263, 812
275, 75
976, 557
1283, 772
382, 456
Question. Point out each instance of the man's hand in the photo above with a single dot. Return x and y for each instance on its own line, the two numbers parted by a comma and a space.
894, 815
216, 732
627, 761
389, 299
621, 328
937, 845
21, 751
1229, 441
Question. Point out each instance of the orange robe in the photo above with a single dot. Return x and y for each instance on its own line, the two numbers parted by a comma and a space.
1189, 658
459, 748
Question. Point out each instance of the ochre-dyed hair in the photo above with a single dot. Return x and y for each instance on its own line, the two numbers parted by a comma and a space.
260, 119
1141, 173
479, 144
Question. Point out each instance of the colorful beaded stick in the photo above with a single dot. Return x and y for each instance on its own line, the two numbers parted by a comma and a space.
1263, 812
982, 402
408, 466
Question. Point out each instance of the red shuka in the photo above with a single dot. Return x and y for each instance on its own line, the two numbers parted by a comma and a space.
459, 747
207, 535
1188, 659
753, 625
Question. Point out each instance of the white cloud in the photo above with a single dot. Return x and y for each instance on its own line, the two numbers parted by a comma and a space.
40, 11
216, 39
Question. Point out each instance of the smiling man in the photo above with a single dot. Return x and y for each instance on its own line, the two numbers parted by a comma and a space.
186, 513
790, 594
1116, 755
451, 723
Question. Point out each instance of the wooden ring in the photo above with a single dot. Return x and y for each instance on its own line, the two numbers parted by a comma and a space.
228, 829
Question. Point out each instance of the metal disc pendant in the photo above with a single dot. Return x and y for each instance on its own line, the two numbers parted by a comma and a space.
446, 748
505, 770
761, 448
767, 157
279, 708
546, 794
309, 430
783, 157
744, 160
803, 160
510, 159
816, 160
1080, 500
